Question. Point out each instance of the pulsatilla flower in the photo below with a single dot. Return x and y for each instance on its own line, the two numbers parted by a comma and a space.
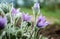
3, 22
26, 17
14, 11
41, 22
36, 5
36, 8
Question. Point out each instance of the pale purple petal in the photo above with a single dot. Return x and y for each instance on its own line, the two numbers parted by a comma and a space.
23, 16
26, 17
36, 5
13, 10
46, 23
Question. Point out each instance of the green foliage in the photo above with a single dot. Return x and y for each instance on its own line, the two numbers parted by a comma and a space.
5, 7
19, 34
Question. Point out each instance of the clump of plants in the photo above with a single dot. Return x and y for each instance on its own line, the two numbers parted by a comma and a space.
18, 25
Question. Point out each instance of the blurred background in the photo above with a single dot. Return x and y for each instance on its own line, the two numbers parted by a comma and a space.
49, 8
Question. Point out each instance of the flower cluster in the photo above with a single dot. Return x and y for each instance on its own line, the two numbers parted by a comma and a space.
23, 21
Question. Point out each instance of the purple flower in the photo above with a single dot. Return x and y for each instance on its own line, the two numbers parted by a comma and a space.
41, 22
3, 21
14, 11
36, 5
26, 17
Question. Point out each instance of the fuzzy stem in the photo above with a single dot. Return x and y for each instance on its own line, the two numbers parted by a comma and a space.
38, 34
34, 14
21, 24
